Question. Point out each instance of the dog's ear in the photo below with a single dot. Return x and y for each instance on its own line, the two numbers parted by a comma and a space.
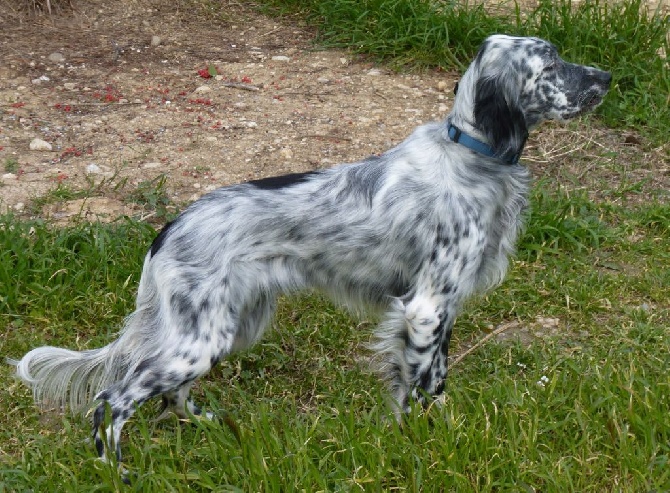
499, 117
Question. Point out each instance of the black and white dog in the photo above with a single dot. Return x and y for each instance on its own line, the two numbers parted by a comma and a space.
411, 233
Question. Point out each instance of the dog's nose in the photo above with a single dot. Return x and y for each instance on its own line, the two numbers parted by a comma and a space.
602, 77
607, 78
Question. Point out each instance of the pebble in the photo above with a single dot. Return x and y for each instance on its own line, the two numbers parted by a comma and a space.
39, 145
156, 40
70, 86
57, 57
41, 79
202, 89
19, 206
151, 165
280, 58
8, 177
286, 153
442, 86
93, 169
374, 72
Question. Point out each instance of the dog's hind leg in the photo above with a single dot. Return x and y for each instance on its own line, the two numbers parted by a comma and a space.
173, 367
164, 373
180, 403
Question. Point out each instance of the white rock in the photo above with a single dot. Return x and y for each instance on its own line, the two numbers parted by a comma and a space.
323, 80
156, 40
19, 206
93, 169
70, 86
151, 165
286, 153
202, 89
280, 58
374, 72
39, 145
8, 177
57, 57
41, 79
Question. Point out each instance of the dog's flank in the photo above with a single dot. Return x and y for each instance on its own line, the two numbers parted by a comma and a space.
410, 234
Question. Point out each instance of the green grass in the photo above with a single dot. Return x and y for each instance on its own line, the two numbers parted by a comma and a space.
301, 411
577, 401
623, 37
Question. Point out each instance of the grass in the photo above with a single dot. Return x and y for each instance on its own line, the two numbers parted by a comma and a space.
302, 412
623, 37
575, 400
11, 165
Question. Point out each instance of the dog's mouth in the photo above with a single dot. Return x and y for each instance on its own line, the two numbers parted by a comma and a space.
588, 101
592, 100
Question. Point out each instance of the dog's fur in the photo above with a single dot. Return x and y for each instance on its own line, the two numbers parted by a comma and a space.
412, 233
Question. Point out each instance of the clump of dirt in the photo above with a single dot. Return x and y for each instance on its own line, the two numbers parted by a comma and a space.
133, 107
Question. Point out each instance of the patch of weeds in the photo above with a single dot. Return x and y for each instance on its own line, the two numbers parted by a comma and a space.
562, 222
152, 194
62, 193
11, 165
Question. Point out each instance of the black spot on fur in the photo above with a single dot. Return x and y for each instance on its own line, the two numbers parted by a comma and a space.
160, 239
499, 118
282, 181
99, 446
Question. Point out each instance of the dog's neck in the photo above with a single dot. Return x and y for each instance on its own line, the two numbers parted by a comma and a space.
479, 146
462, 126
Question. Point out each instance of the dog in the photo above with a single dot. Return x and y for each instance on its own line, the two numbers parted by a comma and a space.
411, 233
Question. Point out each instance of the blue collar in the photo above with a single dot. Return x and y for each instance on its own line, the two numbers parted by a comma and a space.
457, 136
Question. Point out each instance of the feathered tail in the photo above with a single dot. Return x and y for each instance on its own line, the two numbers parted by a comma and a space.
61, 377
56, 373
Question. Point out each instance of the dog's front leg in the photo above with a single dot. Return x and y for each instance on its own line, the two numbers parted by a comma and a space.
429, 322
413, 343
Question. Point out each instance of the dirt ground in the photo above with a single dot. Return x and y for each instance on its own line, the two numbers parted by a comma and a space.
138, 101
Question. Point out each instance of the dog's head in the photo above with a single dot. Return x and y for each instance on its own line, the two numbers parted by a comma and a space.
516, 83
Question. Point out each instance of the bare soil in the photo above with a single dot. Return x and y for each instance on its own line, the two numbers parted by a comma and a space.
122, 93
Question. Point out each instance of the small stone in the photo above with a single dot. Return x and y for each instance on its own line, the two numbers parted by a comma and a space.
442, 108
251, 124
442, 86
19, 206
280, 58
39, 145
93, 169
57, 57
8, 177
286, 153
151, 165
156, 40
70, 86
374, 72
323, 80
41, 79
202, 89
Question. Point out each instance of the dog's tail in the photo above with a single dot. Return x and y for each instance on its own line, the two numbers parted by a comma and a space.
55, 373
60, 377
